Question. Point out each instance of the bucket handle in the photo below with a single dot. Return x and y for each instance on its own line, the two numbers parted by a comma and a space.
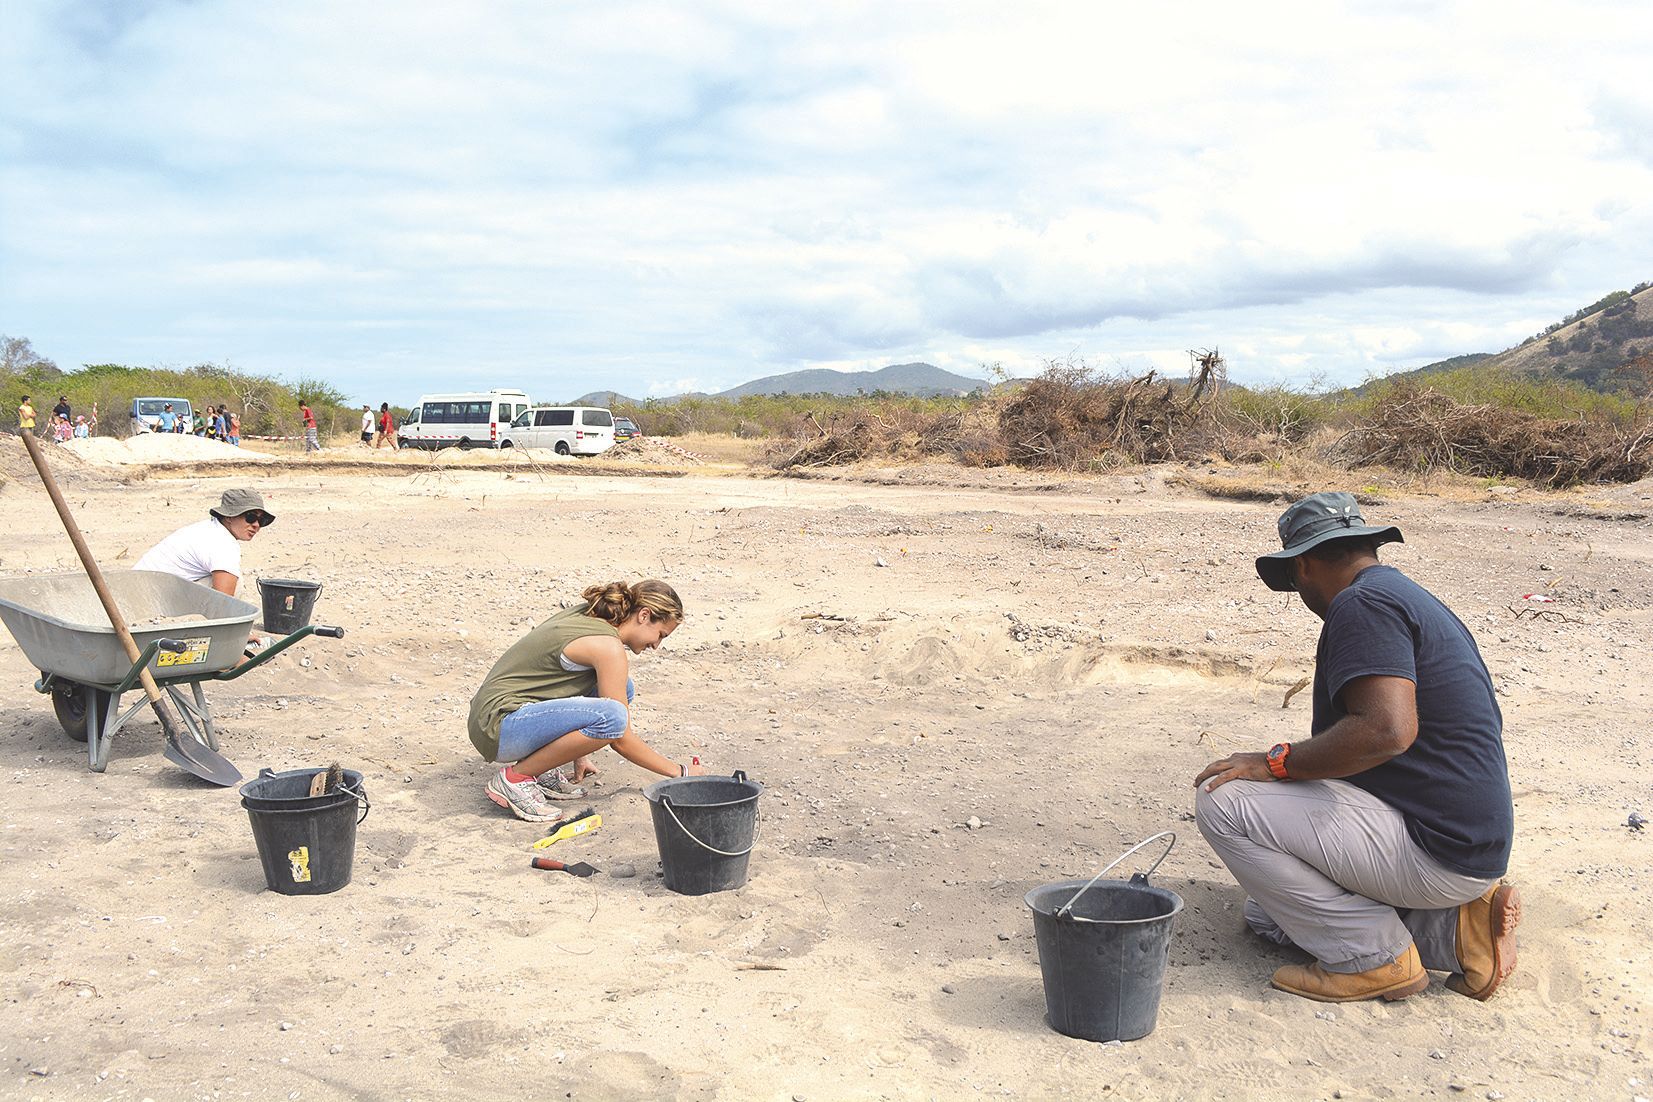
1171, 834
359, 793
665, 802
361, 797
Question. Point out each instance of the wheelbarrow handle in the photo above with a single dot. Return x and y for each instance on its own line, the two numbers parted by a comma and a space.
330, 632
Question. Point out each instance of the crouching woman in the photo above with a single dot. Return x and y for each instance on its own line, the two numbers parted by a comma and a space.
562, 692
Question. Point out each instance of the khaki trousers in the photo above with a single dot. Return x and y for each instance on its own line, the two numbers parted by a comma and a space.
1330, 868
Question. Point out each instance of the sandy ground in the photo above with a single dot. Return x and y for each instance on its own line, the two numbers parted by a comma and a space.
1053, 658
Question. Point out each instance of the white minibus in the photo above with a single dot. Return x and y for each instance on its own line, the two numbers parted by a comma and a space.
461, 420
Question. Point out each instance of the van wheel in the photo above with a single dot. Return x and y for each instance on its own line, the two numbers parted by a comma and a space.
464, 442
562, 447
503, 444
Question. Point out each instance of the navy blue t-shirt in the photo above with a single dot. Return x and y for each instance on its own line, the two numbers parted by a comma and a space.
1452, 784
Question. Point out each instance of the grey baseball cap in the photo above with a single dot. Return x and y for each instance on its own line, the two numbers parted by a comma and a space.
237, 503
1317, 519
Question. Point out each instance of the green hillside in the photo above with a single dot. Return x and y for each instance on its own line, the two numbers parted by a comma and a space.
1606, 347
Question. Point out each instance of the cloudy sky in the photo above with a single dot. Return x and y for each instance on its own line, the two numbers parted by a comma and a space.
654, 197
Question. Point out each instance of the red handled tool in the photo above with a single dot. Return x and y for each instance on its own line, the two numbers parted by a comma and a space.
551, 864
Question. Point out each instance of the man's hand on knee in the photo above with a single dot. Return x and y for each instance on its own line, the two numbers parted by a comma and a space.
1235, 767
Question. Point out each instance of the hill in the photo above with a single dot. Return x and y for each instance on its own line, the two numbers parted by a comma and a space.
605, 398
1595, 350
1606, 346
918, 379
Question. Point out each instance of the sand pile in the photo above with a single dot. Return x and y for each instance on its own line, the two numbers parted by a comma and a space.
650, 449
162, 447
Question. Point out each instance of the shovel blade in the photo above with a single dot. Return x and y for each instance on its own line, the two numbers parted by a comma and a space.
202, 760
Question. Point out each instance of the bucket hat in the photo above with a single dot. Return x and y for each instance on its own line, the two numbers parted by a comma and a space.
237, 503
1317, 519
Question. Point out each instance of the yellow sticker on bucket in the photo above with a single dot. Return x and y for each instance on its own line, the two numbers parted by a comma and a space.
300, 859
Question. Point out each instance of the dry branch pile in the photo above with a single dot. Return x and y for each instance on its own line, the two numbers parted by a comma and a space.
1070, 418
1422, 430
967, 436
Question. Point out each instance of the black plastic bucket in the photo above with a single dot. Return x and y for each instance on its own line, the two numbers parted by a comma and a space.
306, 843
705, 827
1103, 958
287, 603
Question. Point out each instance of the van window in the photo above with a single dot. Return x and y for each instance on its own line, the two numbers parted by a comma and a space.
521, 422
434, 413
554, 417
601, 418
521, 408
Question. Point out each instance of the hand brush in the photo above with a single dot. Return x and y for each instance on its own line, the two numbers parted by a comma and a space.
327, 780
583, 823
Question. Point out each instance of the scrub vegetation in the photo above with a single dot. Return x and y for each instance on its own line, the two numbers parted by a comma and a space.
1571, 405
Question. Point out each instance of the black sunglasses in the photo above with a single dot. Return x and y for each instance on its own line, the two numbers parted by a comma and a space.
258, 518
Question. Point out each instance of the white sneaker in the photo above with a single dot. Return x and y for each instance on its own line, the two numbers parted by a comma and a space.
554, 783
524, 799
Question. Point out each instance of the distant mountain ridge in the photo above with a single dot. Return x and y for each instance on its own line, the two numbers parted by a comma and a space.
921, 380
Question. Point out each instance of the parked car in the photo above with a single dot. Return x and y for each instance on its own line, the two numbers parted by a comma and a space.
625, 428
567, 430
461, 420
147, 413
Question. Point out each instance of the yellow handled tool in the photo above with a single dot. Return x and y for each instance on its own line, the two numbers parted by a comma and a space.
583, 823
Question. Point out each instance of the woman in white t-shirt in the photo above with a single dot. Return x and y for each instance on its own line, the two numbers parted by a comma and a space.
210, 550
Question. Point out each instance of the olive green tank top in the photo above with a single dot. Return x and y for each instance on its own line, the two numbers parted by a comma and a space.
530, 670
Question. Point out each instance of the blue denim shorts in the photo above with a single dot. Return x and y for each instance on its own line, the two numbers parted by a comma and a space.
543, 722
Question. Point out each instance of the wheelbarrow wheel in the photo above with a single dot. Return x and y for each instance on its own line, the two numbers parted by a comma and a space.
69, 702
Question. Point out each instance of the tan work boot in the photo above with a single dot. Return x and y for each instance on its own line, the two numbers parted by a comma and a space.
1486, 941
1399, 978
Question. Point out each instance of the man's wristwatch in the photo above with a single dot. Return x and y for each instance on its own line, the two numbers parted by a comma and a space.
1277, 761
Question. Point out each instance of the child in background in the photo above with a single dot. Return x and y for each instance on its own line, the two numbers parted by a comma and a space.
82, 429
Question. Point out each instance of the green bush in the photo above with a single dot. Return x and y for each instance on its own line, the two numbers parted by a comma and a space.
1557, 399
268, 407
769, 416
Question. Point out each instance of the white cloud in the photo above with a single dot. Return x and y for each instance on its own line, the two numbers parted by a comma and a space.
634, 195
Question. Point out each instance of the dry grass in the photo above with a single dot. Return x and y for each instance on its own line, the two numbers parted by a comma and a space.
717, 447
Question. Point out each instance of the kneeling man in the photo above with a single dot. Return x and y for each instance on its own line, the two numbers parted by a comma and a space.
1377, 845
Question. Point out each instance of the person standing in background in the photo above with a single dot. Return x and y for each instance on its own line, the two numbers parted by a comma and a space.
311, 444
235, 429
62, 408
25, 414
387, 427
367, 423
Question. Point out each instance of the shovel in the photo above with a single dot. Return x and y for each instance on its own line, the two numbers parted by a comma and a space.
551, 864
188, 754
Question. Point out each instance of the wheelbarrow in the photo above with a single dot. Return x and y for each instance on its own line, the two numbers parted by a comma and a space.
188, 634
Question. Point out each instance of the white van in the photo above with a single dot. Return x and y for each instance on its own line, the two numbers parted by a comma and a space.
567, 430
461, 420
